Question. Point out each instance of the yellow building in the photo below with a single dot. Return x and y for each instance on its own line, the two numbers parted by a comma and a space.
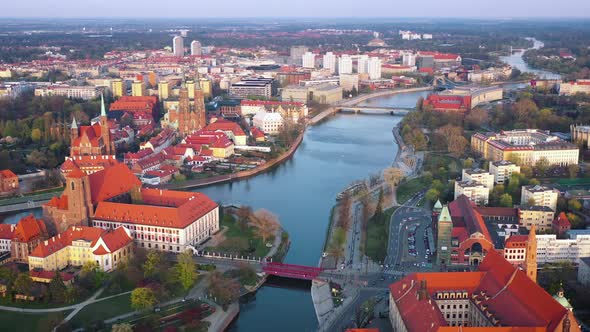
190, 86
81, 244
5, 73
163, 90
206, 86
117, 88
137, 89
539, 216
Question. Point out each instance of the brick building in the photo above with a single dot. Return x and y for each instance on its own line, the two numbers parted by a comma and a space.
28, 233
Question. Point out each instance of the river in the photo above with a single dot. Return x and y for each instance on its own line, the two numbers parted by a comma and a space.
516, 61
302, 191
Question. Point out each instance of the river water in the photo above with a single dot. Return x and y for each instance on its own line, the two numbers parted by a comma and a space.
516, 61
302, 191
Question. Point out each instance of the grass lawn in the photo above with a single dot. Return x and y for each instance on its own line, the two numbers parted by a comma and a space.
238, 240
378, 236
38, 305
409, 188
17, 321
102, 310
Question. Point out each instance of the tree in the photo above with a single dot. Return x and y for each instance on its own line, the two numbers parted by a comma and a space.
476, 118
432, 195
223, 290
336, 245
542, 165
57, 288
142, 298
379, 207
36, 135
243, 213
419, 103
573, 170
124, 327
23, 284
575, 221
574, 205
506, 200
457, 145
186, 270
37, 158
393, 176
468, 163
266, 224
152, 263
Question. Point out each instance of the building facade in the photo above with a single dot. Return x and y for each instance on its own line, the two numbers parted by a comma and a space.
539, 196
502, 170
28, 234
550, 249
539, 216
473, 190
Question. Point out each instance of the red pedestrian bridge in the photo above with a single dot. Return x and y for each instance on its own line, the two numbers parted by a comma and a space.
291, 271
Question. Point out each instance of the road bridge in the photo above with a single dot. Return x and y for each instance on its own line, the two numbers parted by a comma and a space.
375, 110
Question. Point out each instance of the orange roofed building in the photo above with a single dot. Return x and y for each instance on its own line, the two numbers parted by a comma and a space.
162, 219
8, 181
92, 140
83, 192
27, 235
497, 298
79, 245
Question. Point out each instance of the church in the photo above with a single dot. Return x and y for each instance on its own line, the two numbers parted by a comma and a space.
93, 140
188, 117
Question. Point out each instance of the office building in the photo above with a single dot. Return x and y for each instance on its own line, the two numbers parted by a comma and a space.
550, 249
539, 216
196, 48
329, 62
345, 64
348, 82
409, 59
163, 90
478, 175
261, 87
528, 146
308, 60
580, 134
178, 46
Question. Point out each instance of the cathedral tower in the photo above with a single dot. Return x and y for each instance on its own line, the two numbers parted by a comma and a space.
443, 243
530, 260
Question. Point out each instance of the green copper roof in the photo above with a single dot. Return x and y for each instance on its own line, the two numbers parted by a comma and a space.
445, 215
562, 300
103, 111
438, 204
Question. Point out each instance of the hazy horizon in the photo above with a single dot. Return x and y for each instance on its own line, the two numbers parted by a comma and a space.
499, 9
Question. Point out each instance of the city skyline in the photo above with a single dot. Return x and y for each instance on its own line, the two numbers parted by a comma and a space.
303, 8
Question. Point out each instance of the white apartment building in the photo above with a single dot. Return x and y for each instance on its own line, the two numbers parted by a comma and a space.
345, 64
308, 60
363, 64
270, 123
374, 68
540, 216
196, 48
552, 250
542, 196
409, 59
329, 62
478, 175
69, 91
502, 170
475, 191
178, 46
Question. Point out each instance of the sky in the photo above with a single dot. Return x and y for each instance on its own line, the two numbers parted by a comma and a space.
295, 8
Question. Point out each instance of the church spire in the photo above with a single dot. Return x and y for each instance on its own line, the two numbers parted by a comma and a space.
103, 111
74, 123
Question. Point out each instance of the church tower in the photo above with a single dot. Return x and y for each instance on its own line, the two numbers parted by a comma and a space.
200, 105
530, 260
73, 130
105, 132
443, 242
183, 110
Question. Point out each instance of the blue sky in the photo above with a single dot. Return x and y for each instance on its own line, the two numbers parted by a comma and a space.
295, 8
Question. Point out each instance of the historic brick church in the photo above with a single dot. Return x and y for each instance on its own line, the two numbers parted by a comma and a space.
187, 117
94, 140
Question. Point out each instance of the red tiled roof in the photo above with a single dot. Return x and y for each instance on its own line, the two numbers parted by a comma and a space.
6, 231
164, 208
114, 241
62, 240
464, 209
112, 182
29, 228
225, 125
7, 174
562, 221
92, 132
